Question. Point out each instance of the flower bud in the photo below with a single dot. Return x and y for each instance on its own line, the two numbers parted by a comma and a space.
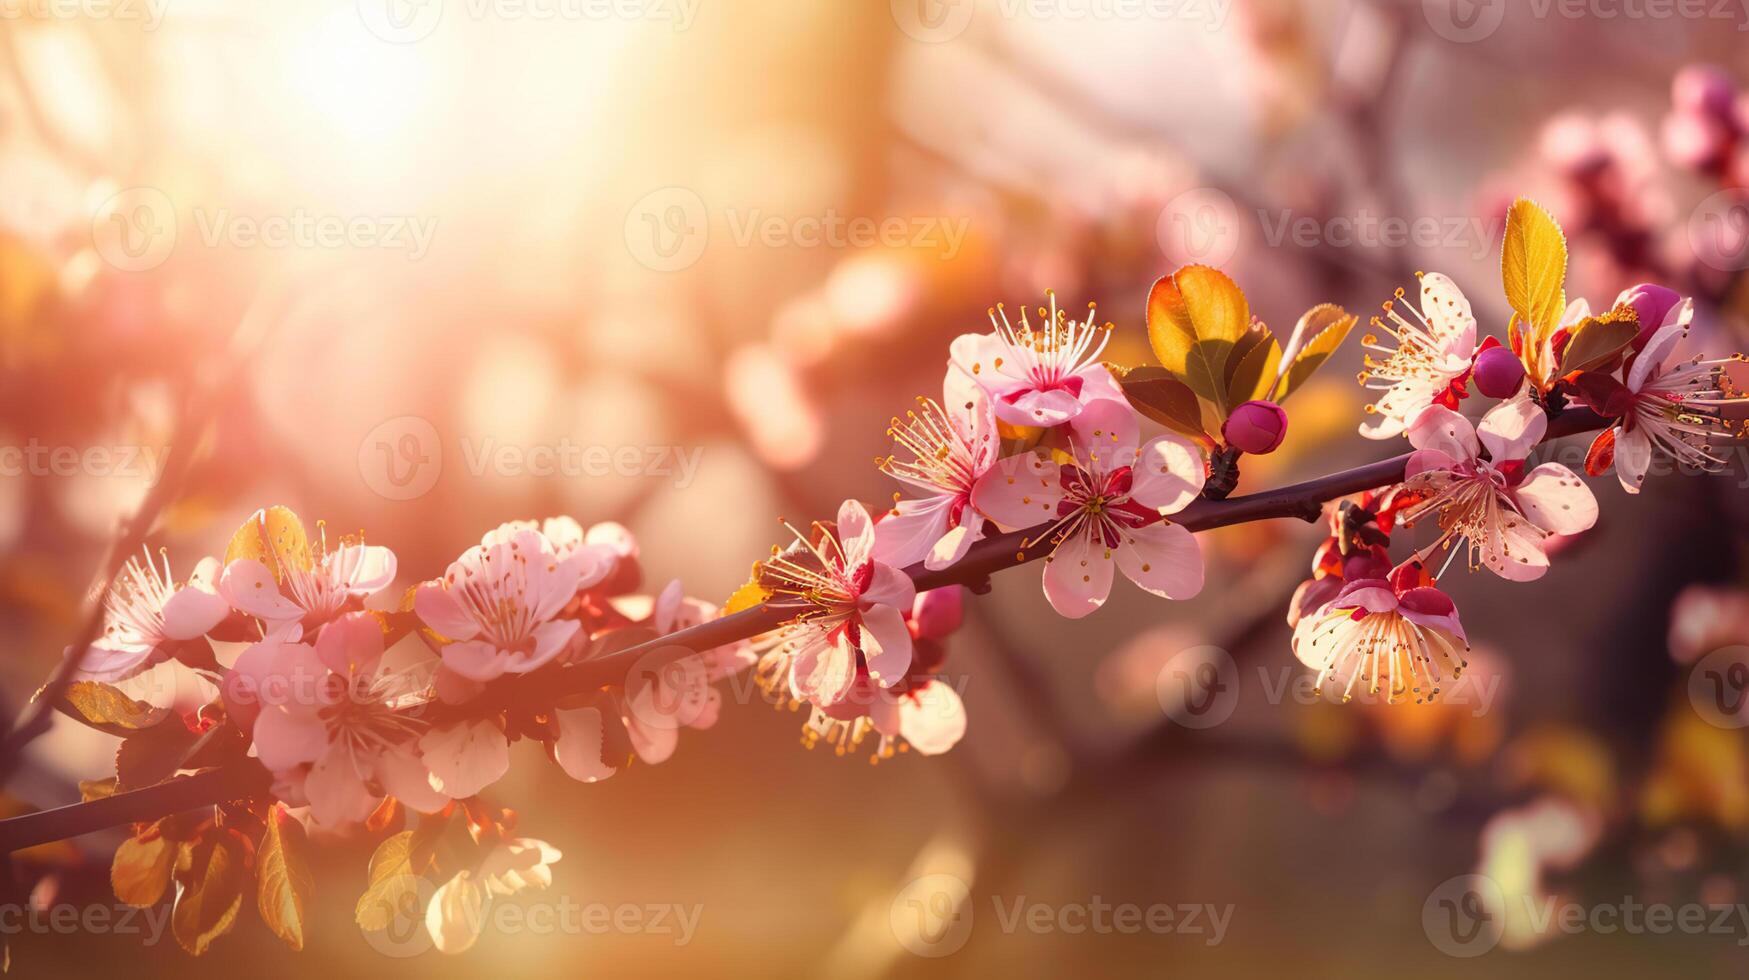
1651, 303
1256, 427
1704, 90
1498, 372
938, 612
1696, 142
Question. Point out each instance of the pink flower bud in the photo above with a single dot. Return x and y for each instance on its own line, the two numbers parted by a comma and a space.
1498, 372
1696, 142
1256, 427
937, 613
1651, 303
1704, 90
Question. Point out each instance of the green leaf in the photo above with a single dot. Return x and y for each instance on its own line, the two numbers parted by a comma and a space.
1196, 316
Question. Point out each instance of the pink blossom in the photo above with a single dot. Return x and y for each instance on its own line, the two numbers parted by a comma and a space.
951, 448
1430, 364
302, 581
1504, 512
1106, 508
682, 694
1039, 376
1394, 636
146, 613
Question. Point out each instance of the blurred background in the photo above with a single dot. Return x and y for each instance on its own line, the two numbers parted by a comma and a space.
675, 262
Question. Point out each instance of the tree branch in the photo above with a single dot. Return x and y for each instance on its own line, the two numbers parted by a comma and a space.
1304, 501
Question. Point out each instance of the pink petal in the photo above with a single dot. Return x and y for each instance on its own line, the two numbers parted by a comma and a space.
984, 358
1019, 492
1433, 609
666, 610
886, 644
337, 795
1512, 547
351, 644
1633, 457
549, 641
1442, 430
1164, 559
906, 536
443, 612
1447, 311
113, 659
824, 670
1169, 474
1423, 461
247, 585
465, 758
1372, 595
457, 914
952, 546
288, 735
972, 414
1106, 433
1034, 407
403, 776
1400, 404
578, 747
192, 611
613, 536
1658, 350
655, 734
856, 534
1556, 500
476, 660
1512, 429
363, 569
1078, 576
889, 587
932, 718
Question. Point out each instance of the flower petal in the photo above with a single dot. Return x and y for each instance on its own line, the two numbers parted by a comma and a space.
1164, 559
910, 530
465, 758
403, 775
824, 670
932, 718
1439, 429
889, 587
1169, 474
287, 736
1512, 429
192, 611
476, 660
1556, 500
1019, 492
457, 914
1107, 432
856, 532
886, 644
362, 569
1633, 457
352, 644
443, 612
1078, 576
248, 585
578, 747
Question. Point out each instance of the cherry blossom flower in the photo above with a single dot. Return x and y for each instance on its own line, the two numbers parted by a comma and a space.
854, 621
682, 694
146, 613
466, 757
496, 603
1430, 364
457, 913
1677, 407
1504, 513
951, 448
1398, 636
298, 581
1039, 376
1106, 506
332, 725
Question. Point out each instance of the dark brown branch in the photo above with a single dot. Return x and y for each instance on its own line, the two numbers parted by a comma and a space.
1303, 501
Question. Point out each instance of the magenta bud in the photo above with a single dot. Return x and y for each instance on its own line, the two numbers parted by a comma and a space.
1651, 303
1498, 372
1704, 90
1256, 427
937, 613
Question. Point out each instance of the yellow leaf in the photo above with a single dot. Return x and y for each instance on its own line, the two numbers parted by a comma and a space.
395, 869
141, 869
209, 891
284, 878
1319, 333
1598, 339
107, 709
275, 538
1157, 394
1251, 372
96, 789
1533, 268
1195, 318
748, 595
